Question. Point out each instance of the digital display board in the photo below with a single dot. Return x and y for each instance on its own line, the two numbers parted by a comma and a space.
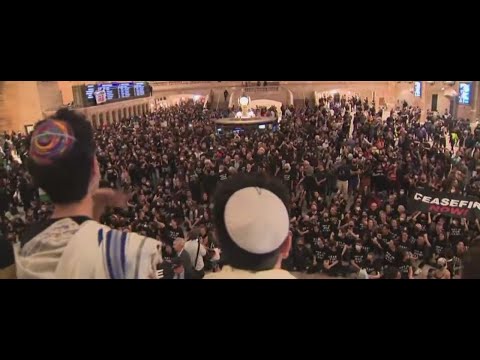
114, 91
464, 93
90, 95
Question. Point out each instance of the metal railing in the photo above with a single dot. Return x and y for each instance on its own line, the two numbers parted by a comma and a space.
252, 89
164, 83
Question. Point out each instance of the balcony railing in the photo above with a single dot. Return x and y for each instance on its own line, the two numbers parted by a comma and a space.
254, 89
163, 83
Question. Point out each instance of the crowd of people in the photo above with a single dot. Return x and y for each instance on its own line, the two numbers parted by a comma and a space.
349, 174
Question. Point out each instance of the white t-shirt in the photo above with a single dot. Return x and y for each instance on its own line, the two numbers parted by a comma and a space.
191, 247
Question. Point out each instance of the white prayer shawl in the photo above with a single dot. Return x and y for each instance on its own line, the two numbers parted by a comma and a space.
67, 250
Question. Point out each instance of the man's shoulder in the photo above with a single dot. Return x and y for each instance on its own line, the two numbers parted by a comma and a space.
132, 242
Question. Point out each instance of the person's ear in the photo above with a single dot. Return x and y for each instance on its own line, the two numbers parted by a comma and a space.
95, 179
286, 246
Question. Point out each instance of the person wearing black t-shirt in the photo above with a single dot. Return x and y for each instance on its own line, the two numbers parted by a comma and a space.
309, 181
422, 220
422, 183
459, 253
440, 245
379, 178
302, 256
350, 235
313, 213
295, 211
341, 240
112, 175
326, 226
319, 253
457, 230
421, 252
386, 233
210, 179
172, 231
373, 212
332, 263
194, 184
372, 267
357, 257
314, 235
395, 230
354, 180
343, 175
321, 179
405, 243
391, 254
222, 173
405, 265
288, 176
303, 227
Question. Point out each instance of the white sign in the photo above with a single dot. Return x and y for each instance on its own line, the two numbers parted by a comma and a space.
100, 96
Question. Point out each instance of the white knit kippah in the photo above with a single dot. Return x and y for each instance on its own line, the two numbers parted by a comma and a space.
256, 220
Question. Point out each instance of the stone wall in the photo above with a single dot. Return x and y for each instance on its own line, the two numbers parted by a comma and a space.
24, 102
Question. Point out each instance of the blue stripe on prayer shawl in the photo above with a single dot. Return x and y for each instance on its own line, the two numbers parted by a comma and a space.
122, 254
115, 254
100, 237
109, 263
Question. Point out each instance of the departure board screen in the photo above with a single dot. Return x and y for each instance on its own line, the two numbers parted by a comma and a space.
116, 91
125, 90
90, 95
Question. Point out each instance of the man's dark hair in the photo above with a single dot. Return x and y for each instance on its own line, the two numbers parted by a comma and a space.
65, 178
232, 254
391, 272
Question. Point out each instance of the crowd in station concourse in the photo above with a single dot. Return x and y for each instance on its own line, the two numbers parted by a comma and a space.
349, 168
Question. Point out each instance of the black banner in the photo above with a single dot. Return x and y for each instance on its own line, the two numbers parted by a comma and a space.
445, 204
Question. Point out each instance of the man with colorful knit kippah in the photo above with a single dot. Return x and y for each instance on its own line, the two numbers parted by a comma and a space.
73, 244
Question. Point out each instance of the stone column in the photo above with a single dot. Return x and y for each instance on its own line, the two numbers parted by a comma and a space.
25, 102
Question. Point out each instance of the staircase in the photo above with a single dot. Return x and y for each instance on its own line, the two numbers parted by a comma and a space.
217, 100
222, 105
